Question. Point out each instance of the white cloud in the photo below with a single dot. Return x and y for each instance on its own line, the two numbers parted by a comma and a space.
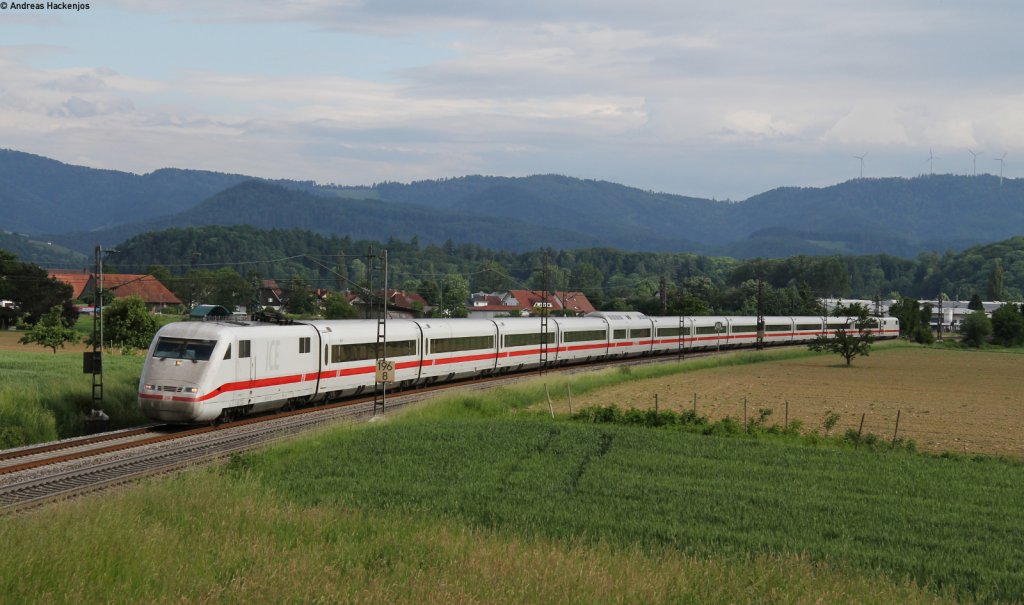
596, 88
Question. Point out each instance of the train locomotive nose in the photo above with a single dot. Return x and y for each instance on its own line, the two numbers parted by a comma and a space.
170, 402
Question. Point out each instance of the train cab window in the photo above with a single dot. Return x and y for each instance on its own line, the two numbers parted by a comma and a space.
304, 345
184, 348
227, 354
244, 348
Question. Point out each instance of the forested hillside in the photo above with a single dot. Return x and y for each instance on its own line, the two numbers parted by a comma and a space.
82, 207
266, 206
892, 215
612, 278
40, 195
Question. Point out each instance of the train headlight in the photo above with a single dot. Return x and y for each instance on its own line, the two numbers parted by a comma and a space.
192, 390
150, 387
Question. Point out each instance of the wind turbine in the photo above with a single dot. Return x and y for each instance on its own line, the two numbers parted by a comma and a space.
975, 160
931, 158
1001, 163
861, 158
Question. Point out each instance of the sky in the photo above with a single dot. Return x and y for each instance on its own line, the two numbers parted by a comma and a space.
721, 99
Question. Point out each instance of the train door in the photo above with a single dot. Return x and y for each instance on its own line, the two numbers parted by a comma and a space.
245, 371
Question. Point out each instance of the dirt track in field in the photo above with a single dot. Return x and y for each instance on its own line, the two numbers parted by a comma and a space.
9, 342
956, 401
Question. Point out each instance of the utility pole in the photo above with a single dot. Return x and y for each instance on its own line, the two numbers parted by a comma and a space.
385, 368
544, 329
96, 421
760, 313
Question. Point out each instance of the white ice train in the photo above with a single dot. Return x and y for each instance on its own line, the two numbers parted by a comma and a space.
215, 370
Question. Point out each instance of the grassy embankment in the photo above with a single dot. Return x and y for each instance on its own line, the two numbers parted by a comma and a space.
476, 499
44, 395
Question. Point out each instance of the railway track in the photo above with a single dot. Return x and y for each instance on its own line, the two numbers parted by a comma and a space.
34, 475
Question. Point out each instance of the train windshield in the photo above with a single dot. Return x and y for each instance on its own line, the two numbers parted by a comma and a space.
183, 348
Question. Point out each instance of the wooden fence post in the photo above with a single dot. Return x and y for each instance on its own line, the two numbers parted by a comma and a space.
655, 404
894, 433
746, 427
551, 410
568, 387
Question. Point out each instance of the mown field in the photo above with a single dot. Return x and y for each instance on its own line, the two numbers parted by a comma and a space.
478, 499
947, 400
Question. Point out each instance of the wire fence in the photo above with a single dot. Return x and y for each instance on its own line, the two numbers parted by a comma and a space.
972, 430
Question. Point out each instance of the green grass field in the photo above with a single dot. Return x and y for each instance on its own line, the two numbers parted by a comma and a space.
477, 499
44, 396
660, 489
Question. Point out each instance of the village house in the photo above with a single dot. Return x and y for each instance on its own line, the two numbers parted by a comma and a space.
524, 303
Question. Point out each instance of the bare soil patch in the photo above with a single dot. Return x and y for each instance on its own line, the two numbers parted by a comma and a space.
9, 342
965, 402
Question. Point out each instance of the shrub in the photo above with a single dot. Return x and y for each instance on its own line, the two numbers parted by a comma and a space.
829, 422
923, 335
976, 329
1008, 325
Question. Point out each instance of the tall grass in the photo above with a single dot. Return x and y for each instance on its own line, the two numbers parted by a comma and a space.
948, 524
207, 537
44, 396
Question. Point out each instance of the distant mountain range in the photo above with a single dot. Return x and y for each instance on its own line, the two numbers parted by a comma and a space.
79, 208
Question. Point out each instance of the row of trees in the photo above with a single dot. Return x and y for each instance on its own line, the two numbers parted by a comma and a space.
1005, 327
610, 278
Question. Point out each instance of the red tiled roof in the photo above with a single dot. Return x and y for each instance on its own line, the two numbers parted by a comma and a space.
396, 298
528, 299
76, 279
405, 300
576, 301
147, 287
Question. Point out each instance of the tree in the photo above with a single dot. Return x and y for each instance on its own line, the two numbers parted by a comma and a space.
492, 277
230, 290
301, 300
856, 340
50, 331
589, 279
995, 281
976, 328
1008, 325
128, 323
337, 307
454, 294
32, 290
976, 304
357, 273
